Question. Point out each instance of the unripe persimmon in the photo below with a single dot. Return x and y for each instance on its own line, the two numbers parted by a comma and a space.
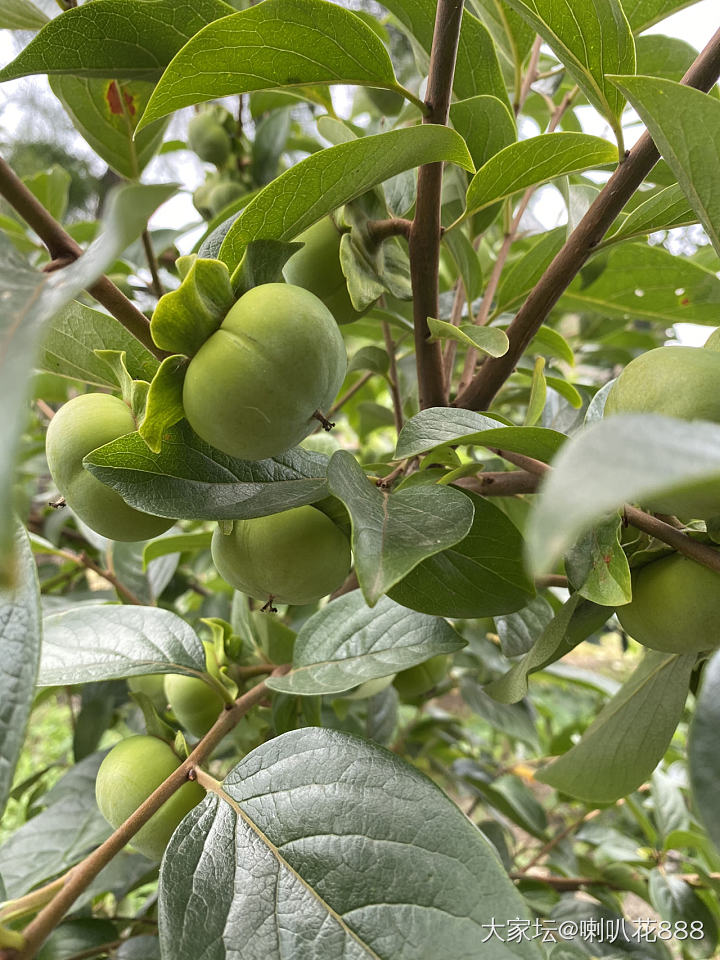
152, 685
194, 702
208, 138
253, 387
79, 427
416, 681
132, 770
294, 557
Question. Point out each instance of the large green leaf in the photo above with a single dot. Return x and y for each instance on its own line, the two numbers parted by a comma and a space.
625, 458
392, 533
324, 181
481, 576
277, 43
272, 858
190, 479
31, 298
21, 15
95, 642
703, 750
106, 113
348, 642
592, 39
20, 635
439, 426
486, 124
535, 161
477, 70
115, 38
662, 211
512, 36
68, 347
629, 736
685, 125
642, 14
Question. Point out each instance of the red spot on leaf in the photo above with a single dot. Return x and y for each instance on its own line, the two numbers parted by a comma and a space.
115, 103
684, 301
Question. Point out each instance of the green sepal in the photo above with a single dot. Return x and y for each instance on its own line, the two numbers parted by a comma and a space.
180, 745
371, 269
154, 723
184, 318
133, 392
262, 262
164, 406
222, 639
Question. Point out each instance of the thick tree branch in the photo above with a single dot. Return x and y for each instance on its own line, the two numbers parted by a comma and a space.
64, 250
78, 879
425, 232
478, 395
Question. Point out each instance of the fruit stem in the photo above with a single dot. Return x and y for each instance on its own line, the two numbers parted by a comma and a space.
326, 424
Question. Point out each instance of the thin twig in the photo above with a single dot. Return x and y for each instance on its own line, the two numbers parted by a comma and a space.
530, 76
152, 264
380, 230
501, 484
450, 351
636, 165
425, 233
700, 552
350, 392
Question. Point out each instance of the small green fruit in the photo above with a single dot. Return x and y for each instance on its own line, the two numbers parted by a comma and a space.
79, 427
679, 382
208, 139
223, 194
675, 606
418, 680
369, 689
153, 686
132, 770
195, 704
294, 557
317, 268
252, 388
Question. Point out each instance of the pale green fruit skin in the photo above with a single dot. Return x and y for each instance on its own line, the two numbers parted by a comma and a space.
252, 388
153, 686
132, 770
681, 382
294, 557
675, 606
208, 139
223, 194
317, 268
79, 427
195, 704
369, 689
418, 680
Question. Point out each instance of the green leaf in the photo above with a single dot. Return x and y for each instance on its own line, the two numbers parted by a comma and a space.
107, 641
538, 393
592, 40
662, 211
598, 568
477, 70
642, 14
629, 737
190, 479
106, 113
481, 576
677, 902
519, 631
324, 181
175, 543
76, 332
164, 406
572, 624
263, 262
392, 533
521, 275
348, 642
21, 15
78, 936
31, 298
549, 341
486, 124
51, 188
278, 43
186, 317
610, 462
489, 340
666, 57
272, 860
438, 426
510, 719
647, 283
685, 125
370, 358
703, 754
533, 162
507, 794
20, 636
143, 947
115, 38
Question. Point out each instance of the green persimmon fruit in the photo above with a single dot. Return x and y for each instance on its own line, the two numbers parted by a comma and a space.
208, 139
369, 689
679, 382
675, 606
223, 194
132, 770
252, 388
294, 557
153, 686
418, 680
388, 102
317, 268
194, 702
79, 427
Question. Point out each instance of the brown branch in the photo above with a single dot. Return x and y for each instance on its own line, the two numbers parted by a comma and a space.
530, 464
700, 552
379, 230
502, 484
552, 580
152, 263
478, 395
62, 247
425, 232
79, 878
530, 76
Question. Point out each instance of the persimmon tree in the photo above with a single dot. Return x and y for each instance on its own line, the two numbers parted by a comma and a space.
308, 505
